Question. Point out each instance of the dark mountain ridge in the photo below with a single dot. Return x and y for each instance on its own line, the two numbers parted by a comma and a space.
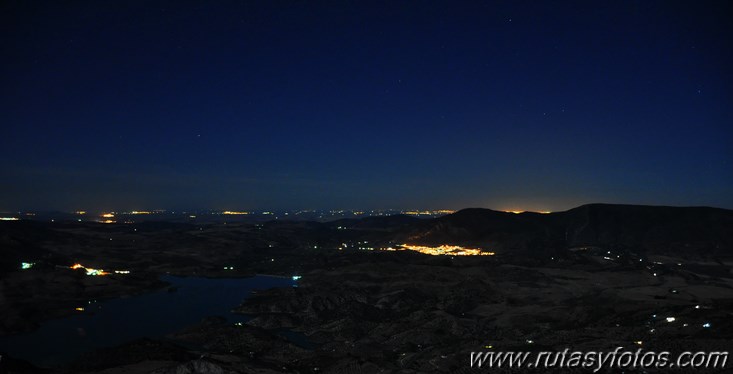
658, 229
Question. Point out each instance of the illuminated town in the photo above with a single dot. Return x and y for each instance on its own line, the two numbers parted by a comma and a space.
428, 213
441, 250
95, 272
233, 215
90, 271
527, 211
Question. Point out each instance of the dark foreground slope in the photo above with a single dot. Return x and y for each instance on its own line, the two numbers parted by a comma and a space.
592, 278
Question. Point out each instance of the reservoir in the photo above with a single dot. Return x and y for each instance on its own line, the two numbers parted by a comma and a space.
153, 315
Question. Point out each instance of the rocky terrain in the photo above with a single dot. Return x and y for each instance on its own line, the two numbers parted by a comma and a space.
592, 278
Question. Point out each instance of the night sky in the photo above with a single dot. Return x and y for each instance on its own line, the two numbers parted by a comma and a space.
345, 104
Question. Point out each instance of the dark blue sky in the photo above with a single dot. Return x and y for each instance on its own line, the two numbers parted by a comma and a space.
345, 104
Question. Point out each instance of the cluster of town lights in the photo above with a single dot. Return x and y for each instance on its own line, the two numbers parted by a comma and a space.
91, 271
445, 249
428, 212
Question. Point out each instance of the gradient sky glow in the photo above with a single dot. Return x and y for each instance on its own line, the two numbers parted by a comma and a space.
345, 104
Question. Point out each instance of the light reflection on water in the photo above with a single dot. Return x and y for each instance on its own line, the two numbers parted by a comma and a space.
113, 322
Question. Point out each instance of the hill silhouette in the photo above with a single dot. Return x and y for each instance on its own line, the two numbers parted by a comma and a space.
658, 229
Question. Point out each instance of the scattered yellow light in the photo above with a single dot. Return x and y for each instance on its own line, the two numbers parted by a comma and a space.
234, 212
107, 221
80, 212
638, 342
9, 219
89, 271
79, 309
445, 249
514, 211
428, 212
139, 212
108, 215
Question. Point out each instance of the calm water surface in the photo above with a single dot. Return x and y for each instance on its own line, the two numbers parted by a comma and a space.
113, 322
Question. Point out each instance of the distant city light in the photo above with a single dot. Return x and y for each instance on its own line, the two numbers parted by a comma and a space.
445, 249
706, 325
296, 277
26, 265
9, 219
108, 215
424, 212
671, 319
229, 212
90, 271
96, 272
